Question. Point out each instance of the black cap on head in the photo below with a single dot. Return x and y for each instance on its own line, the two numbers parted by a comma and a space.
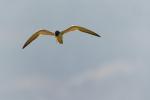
57, 33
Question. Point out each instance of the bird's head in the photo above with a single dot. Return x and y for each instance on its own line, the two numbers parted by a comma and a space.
57, 33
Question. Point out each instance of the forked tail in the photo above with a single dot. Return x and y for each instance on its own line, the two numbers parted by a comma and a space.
60, 39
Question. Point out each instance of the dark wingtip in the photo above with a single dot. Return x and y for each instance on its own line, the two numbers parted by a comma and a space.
23, 46
98, 35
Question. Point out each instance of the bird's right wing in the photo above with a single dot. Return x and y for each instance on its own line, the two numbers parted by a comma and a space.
36, 35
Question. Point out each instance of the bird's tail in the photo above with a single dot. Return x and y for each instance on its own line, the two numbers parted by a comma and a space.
60, 39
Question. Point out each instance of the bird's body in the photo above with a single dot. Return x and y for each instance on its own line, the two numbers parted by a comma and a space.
58, 34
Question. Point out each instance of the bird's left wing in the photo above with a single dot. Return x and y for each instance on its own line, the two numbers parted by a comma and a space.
82, 29
36, 35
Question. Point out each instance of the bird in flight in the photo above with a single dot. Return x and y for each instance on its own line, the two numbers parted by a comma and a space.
58, 35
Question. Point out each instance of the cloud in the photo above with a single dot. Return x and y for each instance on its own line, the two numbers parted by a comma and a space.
103, 71
121, 77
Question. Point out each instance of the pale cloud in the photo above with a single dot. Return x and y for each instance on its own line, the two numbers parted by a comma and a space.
78, 84
103, 71
98, 73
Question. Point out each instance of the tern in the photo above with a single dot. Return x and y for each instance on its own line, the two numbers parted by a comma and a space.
58, 34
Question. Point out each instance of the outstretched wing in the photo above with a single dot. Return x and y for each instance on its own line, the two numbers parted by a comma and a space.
37, 34
82, 29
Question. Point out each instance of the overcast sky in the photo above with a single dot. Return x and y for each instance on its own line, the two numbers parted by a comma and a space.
113, 67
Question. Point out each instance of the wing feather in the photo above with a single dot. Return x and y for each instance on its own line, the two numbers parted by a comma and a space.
36, 35
82, 29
